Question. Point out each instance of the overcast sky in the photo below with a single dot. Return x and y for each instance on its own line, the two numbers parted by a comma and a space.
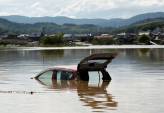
80, 8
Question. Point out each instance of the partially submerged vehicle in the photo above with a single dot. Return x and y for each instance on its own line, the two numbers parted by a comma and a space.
94, 62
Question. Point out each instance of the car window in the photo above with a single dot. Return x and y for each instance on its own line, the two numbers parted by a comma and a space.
64, 75
46, 75
95, 76
58, 75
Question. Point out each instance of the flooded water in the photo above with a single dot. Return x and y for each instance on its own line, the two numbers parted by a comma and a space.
137, 84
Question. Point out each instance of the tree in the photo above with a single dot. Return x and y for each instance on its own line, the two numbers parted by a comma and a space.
53, 40
144, 39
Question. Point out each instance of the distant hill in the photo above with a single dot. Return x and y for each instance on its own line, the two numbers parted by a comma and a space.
118, 22
149, 24
8, 27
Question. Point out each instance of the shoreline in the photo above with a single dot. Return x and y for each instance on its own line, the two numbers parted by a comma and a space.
89, 47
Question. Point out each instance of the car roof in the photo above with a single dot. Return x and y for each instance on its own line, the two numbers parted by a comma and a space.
68, 68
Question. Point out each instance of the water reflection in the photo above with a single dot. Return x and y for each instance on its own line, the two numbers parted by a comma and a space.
52, 54
145, 54
96, 96
93, 95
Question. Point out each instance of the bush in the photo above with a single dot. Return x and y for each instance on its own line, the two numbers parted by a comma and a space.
144, 39
53, 40
102, 41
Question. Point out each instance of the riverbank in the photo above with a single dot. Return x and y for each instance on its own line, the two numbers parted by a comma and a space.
88, 47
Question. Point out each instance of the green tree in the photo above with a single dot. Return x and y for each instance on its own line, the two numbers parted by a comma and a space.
144, 39
57, 39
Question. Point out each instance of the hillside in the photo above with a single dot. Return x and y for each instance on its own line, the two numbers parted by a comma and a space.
7, 27
149, 24
49, 28
118, 22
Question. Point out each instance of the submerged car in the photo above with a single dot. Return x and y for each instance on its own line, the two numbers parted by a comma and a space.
94, 62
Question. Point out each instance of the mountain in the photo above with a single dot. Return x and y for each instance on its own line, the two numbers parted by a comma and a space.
134, 24
145, 25
58, 20
8, 27
115, 22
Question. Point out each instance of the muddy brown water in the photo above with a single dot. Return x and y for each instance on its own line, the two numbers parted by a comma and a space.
136, 87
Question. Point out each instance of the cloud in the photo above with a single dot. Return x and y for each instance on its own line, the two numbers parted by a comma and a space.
110, 8
36, 4
151, 3
80, 8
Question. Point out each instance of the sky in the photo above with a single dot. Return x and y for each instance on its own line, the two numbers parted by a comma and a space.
80, 8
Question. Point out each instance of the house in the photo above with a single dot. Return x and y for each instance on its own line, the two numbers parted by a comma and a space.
126, 38
12, 36
13, 39
83, 37
24, 36
3, 36
35, 36
68, 37
77, 37
121, 35
144, 33
161, 36
103, 39
157, 30
157, 35
104, 36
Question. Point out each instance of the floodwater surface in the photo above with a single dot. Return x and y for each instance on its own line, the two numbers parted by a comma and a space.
136, 87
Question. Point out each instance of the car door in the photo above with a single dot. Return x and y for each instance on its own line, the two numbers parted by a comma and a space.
64, 75
95, 62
